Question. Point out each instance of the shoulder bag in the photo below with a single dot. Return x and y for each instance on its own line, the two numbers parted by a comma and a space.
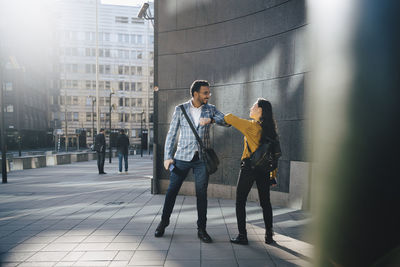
208, 155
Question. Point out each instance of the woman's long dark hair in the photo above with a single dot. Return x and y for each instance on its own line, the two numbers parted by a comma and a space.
268, 123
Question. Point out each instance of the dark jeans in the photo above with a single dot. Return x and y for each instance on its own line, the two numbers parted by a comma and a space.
101, 156
177, 177
122, 156
245, 182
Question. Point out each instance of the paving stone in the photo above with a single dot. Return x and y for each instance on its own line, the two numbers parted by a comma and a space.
84, 231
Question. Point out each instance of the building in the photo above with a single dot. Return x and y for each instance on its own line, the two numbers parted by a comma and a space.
24, 75
125, 71
246, 50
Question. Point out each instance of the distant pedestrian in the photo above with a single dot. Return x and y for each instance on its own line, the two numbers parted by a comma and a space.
100, 148
122, 147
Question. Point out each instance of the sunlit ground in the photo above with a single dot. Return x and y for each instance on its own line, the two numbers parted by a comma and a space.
70, 216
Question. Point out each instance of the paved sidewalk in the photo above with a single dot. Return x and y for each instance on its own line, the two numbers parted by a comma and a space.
69, 215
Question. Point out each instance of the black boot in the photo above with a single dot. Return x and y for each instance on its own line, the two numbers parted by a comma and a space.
160, 229
203, 236
268, 236
241, 239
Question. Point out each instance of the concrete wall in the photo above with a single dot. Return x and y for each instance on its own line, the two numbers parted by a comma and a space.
245, 49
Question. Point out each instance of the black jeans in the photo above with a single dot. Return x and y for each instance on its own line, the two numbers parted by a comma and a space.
245, 182
176, 178
101, 156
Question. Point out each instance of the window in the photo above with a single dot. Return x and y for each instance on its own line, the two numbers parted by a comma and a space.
88, 85
88, 68
126, 70
107, 53
75, 100
126, 117
133, 38
139, 70
133, 70
151, 39
10, 108
139, 39
8, 86
126, 38
133, 86
121, 19
139, 87
68, 100
139, 55
139, 102
121, 86
126, 86
137, 21
108, 85
107, 69
120, 70
75, 84
151, 55
88, 116
121, 102
76, 116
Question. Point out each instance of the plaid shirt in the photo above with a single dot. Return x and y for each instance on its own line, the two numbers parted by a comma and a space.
187, 144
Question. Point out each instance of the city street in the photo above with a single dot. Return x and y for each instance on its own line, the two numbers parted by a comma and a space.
69, 215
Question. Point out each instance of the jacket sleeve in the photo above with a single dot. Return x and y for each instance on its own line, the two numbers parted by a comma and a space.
241, 124
171, 136
218, 117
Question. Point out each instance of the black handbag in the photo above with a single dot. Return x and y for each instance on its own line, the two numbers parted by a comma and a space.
265, 158
208, 155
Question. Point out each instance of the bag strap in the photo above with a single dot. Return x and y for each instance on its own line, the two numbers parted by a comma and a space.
248, 147
269, 139
192, 127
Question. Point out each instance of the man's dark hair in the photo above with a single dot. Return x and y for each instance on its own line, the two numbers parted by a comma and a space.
195, 87
101, 130
122, 131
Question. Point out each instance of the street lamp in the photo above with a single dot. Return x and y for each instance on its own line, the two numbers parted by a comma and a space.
141, 133
93, 101
111, 93
3, 137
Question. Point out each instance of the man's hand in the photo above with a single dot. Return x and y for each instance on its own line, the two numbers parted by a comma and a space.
167, 163
204, 121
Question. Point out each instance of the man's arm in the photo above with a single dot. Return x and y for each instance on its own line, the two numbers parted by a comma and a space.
171, 136
218, 118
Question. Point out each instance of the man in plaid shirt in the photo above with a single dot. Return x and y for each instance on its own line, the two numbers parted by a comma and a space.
187, 154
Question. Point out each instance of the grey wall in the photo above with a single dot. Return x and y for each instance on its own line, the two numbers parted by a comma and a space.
245, 49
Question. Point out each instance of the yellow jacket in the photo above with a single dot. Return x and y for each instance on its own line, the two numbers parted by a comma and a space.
251, 130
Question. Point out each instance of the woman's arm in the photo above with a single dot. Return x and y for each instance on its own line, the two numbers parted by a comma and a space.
241, 124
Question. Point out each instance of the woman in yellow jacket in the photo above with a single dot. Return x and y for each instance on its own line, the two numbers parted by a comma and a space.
255, 131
